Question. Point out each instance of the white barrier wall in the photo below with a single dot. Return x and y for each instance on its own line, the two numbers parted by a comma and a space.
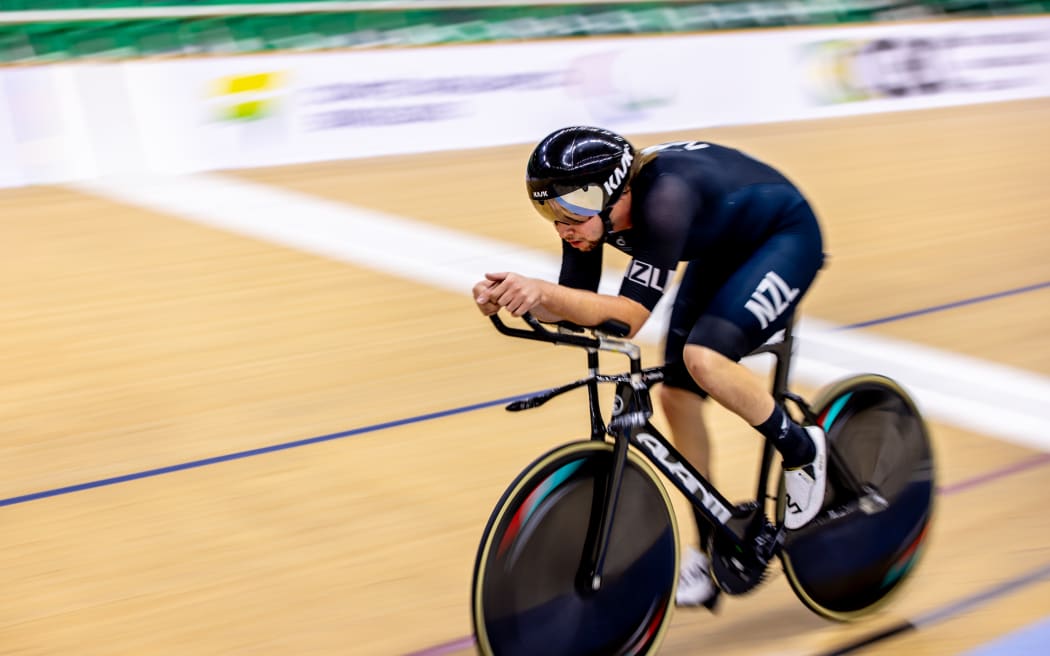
74, 121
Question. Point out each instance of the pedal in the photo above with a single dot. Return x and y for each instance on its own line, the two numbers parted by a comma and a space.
872, 502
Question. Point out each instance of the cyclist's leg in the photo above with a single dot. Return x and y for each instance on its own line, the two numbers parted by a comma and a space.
683, 403
680, 396
753, 304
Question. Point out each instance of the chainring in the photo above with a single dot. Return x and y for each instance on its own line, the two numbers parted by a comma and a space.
736, 570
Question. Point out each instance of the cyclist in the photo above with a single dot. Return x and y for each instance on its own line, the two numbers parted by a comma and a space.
752, 247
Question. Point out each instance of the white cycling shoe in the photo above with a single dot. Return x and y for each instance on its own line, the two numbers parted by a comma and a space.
805, 485
696, 587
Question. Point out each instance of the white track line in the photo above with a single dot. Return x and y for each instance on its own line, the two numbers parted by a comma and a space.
1005, 402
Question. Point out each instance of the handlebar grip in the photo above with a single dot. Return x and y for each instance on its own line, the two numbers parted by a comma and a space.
614, 327
537, 331
570, 326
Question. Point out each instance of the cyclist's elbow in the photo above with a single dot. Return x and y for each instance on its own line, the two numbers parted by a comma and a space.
635, 315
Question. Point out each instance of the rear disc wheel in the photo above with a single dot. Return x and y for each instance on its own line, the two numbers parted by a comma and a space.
846, 562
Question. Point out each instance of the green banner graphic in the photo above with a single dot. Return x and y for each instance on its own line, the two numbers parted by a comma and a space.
57, 37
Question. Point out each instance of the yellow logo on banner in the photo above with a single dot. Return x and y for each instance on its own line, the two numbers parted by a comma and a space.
252, 96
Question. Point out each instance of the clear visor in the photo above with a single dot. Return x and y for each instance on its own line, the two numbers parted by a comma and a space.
577, 206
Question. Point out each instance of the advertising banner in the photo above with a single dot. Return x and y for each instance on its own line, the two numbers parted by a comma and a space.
258, 111
925, 65
171, 116
43, 135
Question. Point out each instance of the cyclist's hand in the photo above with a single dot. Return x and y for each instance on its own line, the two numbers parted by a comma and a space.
516, 292
487, 306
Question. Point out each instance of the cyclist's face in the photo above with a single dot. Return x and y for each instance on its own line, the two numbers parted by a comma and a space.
587, 233
582, 235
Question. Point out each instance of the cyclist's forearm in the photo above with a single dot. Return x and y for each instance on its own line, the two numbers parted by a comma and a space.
589, 308
545, 315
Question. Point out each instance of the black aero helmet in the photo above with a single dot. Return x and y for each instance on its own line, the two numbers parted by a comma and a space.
578, 172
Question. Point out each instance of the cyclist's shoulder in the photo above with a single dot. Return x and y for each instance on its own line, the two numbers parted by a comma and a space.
697, 163
698, 152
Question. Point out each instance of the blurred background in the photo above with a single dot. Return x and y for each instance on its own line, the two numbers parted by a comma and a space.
247, 405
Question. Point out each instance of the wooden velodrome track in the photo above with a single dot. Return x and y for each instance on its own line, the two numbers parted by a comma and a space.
135, 341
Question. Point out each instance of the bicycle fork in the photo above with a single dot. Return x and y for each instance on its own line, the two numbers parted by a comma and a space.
589, 577
606, 497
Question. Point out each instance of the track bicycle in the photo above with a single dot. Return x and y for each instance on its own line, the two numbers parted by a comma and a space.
580, 556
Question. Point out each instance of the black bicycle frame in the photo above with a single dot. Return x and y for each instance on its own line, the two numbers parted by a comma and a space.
663, 455
630, 425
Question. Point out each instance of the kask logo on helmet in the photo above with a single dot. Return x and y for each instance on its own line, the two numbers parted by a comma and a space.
617, 177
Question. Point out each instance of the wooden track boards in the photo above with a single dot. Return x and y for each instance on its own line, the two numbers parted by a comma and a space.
136, 341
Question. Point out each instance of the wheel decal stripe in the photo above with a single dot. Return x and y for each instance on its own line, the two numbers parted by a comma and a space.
907, 559
534, 499
649, 631
832, 413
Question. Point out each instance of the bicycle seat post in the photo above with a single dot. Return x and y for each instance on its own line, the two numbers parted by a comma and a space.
782, 351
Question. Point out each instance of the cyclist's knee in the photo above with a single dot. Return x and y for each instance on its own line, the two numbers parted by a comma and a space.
705, 364
677, 376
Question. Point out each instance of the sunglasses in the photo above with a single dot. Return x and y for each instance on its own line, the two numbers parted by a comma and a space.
574, 207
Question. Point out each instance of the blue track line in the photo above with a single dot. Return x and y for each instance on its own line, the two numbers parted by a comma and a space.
426, 417
946, 306
251, 452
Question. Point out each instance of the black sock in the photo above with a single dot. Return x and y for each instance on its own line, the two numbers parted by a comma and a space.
788, 437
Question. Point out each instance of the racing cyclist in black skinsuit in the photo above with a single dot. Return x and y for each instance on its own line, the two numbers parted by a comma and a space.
752, 245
